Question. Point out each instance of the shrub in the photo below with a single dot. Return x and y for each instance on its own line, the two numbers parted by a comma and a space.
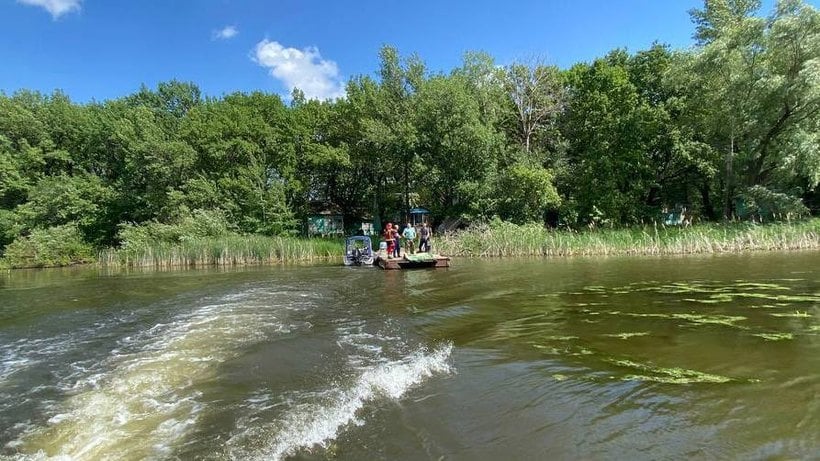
199, 224
758, 202
54, 246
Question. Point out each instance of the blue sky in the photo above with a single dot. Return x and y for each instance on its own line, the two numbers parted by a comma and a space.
102, 49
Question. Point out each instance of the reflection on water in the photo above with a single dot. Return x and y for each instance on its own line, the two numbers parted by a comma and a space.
646, 358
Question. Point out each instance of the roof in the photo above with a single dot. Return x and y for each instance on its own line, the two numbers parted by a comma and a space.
419, 210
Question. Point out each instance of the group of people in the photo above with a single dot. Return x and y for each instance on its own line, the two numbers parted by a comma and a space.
393, 238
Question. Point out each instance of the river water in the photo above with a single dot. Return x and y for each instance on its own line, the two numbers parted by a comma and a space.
581, 358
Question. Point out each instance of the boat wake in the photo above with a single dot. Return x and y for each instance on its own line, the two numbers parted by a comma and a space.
315, 419
143, 401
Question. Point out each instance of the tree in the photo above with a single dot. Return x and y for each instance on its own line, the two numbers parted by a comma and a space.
757, 82
456, 147
537, 95
525, 193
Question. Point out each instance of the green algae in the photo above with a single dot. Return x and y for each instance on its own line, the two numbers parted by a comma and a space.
714, 319
560, 377
627, 335
726, 320
706, 301
774, 336
796, 314
759, 286
672, 375
560, 338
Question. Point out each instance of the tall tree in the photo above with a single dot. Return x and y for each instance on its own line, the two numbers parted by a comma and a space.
757, 82
537, 96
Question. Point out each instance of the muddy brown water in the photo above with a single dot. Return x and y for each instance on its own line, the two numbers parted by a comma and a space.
584, 358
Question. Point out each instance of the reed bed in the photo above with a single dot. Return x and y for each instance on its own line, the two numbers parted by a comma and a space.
233, 250
506, 239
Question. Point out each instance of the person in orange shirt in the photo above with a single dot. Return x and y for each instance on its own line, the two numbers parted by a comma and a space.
388, 237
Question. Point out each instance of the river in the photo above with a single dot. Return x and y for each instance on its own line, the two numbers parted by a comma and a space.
713, 357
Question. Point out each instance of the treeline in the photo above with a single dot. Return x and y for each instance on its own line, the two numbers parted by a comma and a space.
729, 128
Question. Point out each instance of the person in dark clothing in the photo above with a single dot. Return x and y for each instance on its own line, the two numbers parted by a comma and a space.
424, 238
396, 243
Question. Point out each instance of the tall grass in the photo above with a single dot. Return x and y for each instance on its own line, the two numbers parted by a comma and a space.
229, 250
506, 239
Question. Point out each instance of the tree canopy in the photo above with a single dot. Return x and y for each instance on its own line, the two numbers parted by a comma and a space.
729, 128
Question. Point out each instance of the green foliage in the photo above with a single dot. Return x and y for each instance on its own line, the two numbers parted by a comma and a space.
227, 250
755, 86
525, 194
761, 203
197, 225
55, 246
728, 128
499, 238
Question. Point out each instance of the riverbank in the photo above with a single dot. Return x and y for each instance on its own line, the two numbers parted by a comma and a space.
506, 239
498, 239
232, 250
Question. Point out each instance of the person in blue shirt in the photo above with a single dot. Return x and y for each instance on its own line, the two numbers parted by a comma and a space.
409, 235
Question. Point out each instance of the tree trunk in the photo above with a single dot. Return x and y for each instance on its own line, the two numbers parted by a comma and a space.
706, 200
728, 183
406, 191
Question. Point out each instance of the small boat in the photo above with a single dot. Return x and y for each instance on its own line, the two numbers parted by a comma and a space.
358, 251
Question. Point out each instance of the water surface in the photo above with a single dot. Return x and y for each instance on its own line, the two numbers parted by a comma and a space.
593, 358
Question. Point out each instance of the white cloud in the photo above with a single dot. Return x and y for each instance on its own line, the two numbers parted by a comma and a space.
57, 8
304, 69
226, 33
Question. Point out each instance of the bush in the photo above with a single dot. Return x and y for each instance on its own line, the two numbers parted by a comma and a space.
758, 203
55, 246
199, 224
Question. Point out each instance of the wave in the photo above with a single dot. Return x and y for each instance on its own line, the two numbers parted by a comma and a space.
144, 400
317, 418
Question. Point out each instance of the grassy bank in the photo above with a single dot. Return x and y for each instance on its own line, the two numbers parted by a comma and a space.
506, 239
229, 250
486, 240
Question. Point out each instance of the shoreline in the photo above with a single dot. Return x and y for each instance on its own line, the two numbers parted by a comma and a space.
498, 239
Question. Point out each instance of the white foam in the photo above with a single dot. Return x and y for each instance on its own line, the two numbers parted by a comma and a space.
311, 423
146, 402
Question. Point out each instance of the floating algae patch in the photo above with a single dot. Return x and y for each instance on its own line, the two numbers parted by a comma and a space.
783, 299
594, 288
560, 377
727, 320
726, 297
627, 335
798, 298
796, 314
681, 289
706, 301
759, 286
565, 351
814, 328
668, 375
560, 338
731, 296
715, 319
774, 336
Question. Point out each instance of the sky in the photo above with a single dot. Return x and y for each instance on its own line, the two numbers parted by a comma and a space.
95, 50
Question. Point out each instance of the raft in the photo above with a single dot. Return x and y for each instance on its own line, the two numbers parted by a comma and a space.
414, 261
